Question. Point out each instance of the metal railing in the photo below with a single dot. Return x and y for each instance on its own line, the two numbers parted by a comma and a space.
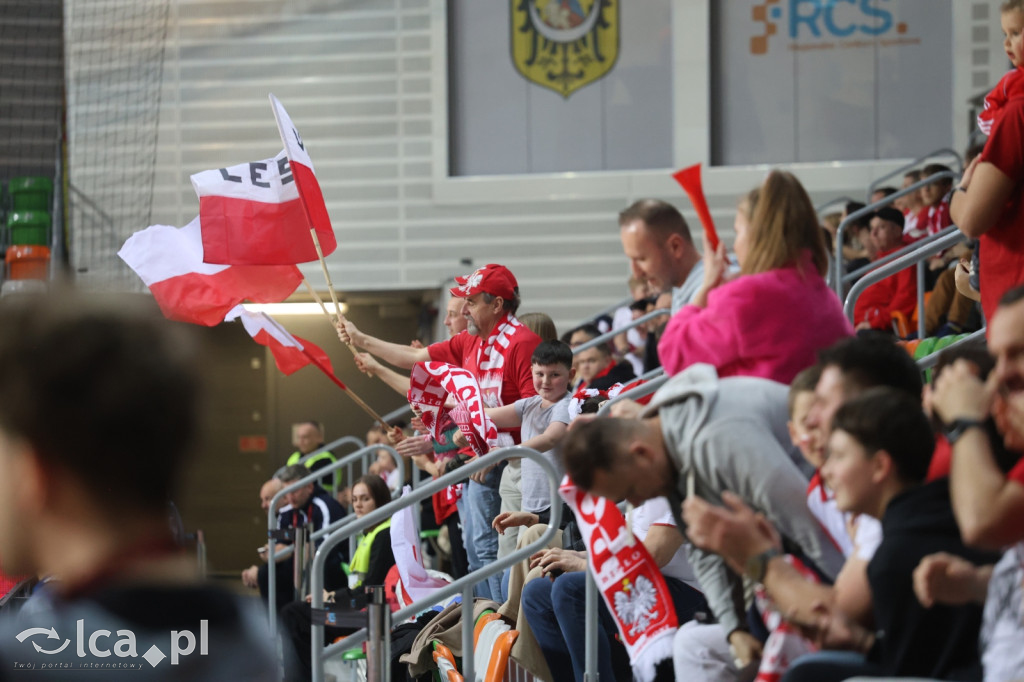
607, 311
938, 153
463, 585
608, 336
843, 200
590, 598
398, 412
914, 254
272, 554
841, 278
930, 360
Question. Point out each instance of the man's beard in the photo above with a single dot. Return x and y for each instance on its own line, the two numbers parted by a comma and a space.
471, 327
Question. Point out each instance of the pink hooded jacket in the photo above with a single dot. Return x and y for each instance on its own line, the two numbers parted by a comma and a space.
768, 325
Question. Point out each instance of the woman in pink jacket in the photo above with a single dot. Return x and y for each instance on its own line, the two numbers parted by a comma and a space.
771, 320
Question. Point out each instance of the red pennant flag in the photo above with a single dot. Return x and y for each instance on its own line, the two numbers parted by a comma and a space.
689, 179
170, 262
291, 353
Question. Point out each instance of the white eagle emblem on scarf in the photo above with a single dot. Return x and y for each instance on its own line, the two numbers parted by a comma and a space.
635, 604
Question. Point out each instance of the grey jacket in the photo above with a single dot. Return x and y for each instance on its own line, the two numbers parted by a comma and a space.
731, 433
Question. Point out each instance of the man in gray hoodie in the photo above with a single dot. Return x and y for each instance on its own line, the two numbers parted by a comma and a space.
708, 435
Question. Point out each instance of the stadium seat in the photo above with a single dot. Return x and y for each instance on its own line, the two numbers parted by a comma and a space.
30, 193
29, 227
27, 262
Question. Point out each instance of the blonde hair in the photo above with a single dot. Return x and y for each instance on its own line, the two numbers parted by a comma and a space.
1012, 5
831, 221
782, 225
540, 324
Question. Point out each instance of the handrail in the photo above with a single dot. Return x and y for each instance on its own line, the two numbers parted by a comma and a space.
329, 447
938, 153
590, 596
820, 208
839, 279
326, 530
951, 238
396, 413
888, 258
608, 336
930, 360
272, 555
912, 248
607, 311
653, 374
463, 585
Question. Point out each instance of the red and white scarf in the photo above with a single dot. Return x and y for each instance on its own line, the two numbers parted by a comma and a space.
582, 394
430, 385
628, 579
785, 643
490, 361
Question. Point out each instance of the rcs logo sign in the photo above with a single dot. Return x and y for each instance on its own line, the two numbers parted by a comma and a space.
814, 19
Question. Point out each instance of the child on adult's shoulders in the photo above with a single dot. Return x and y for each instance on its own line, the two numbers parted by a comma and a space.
1010, 85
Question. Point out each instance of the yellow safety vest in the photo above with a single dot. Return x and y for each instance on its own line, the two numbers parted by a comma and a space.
360, 564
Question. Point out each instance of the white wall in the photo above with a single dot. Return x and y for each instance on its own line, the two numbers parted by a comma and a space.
365, 82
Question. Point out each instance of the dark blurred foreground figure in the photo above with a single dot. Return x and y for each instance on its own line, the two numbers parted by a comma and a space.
99, 405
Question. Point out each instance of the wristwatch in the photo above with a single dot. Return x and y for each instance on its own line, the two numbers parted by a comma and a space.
958, 427
756, 566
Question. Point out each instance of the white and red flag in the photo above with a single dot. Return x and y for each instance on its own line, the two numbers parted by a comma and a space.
170, 262
291, 353
261, 212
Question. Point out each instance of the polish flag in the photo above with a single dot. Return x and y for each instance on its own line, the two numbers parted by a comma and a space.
253, 214
291, 353
170, 262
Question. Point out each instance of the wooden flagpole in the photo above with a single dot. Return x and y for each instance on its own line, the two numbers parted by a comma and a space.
358, 401
330, 375
327, 275
330, 286
316, 297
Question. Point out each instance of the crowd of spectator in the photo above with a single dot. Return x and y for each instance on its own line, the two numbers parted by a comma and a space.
836, 525
816, 510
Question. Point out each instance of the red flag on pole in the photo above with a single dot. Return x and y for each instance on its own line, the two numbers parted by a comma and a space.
689, 179
291, 353
170, 262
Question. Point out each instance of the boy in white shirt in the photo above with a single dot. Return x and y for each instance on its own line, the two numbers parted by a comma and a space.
544, 419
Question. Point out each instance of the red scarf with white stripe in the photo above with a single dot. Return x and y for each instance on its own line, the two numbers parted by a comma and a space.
490, 359
431, 384
627, 577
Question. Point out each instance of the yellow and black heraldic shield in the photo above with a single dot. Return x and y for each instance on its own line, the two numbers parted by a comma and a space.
564, 44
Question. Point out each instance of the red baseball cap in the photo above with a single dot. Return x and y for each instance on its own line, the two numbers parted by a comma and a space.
492, 279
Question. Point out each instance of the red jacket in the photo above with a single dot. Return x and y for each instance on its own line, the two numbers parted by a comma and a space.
894, 293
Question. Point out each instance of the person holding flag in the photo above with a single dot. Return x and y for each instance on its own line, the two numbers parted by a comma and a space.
496, 348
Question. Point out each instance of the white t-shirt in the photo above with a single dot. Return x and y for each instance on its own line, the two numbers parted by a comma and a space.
536, 419
656, 512
624, 316
868, 535
1002, 625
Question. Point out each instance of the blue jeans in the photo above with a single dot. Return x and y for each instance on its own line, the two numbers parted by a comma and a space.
482, 503
556, 612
